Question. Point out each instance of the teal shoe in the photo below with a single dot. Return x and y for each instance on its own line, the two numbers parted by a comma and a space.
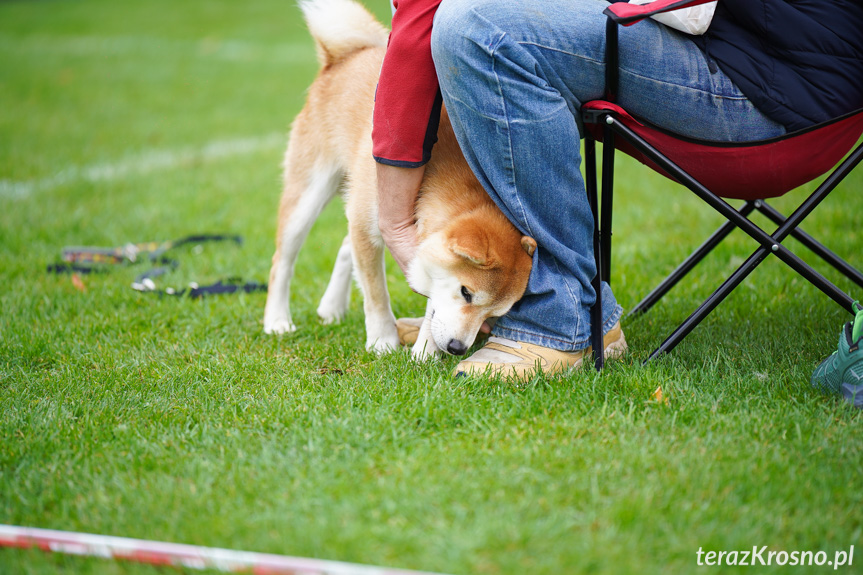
842, 372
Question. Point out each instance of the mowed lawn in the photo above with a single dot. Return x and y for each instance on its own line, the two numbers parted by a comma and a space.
123, 413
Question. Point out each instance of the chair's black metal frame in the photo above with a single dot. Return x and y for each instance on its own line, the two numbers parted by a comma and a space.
737, 218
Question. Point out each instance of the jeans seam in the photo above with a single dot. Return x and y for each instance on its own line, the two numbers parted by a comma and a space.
492, 54
560, 51
471, 108
572, 296
682, 86
734, 98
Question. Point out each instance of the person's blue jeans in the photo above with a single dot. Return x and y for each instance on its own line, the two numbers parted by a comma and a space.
513, 74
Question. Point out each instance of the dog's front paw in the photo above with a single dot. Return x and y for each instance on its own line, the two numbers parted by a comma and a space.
279, 326
381, 334
424, 353
383, 345
424, 349
330, 315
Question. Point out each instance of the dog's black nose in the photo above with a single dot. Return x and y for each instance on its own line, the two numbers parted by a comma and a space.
456, 347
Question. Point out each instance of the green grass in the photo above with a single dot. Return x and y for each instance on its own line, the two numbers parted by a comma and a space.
178, 420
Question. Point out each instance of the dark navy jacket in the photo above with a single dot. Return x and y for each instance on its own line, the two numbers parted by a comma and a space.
799, 61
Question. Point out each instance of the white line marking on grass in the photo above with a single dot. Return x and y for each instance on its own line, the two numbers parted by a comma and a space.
113, 46
192, 556
142, 164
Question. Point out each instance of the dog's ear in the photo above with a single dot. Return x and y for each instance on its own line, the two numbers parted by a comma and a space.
470, 246
529, 245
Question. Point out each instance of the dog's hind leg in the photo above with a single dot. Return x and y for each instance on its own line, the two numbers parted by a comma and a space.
306, 193
337, 298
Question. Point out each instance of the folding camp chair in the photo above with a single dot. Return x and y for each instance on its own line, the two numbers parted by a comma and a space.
750, 171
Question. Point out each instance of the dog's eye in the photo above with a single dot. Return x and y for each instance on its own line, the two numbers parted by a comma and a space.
468, 297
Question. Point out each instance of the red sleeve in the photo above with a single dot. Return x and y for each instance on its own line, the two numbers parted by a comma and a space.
407, 101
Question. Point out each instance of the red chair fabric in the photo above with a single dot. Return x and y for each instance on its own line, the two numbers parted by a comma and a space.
750, 170
628, 14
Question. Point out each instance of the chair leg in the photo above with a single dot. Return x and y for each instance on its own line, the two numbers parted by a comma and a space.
768, 243
798, 265
710, 304
607, 203
771, 242
595, 311
730, 284
813, 245
688, 264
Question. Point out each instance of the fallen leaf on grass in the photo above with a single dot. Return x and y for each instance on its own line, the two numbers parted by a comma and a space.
658, 397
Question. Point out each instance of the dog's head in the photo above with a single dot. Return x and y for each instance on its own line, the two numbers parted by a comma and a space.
477, 267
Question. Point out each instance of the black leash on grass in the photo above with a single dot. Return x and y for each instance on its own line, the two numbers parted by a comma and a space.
130, 253
145, 283
194, 291
97, 260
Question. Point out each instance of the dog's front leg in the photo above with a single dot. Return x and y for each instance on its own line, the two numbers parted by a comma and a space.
368, 251
425, 346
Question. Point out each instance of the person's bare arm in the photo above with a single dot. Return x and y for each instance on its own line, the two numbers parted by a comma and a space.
397, 194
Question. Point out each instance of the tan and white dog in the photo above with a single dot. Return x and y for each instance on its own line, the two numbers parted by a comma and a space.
472, 263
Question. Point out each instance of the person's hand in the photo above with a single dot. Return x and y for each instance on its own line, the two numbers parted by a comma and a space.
397, 194
397, 197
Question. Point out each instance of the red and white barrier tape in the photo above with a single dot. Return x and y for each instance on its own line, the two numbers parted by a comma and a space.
192, 556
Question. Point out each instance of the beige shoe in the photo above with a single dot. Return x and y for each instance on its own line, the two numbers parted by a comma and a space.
408, 329
514, 359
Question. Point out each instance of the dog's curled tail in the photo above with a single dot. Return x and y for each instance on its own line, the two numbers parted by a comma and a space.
341, 27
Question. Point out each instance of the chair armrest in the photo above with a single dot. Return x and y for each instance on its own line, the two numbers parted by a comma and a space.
628, 14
